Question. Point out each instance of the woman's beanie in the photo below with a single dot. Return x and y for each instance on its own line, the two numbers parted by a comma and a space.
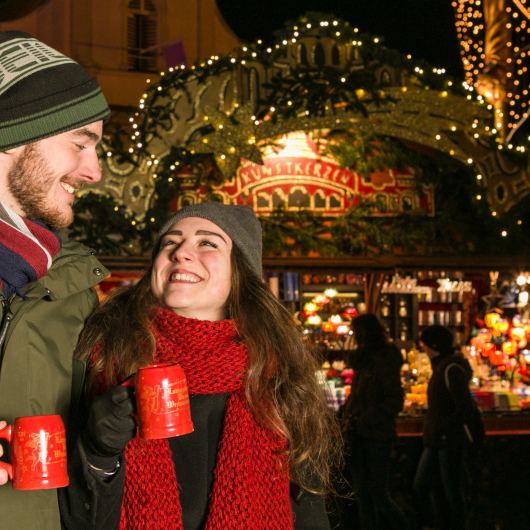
438, 338
43, 92
239, 222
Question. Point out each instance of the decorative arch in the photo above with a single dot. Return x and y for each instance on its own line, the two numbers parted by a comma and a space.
335, 202
263, 201
186, 199
319, 200
298, 197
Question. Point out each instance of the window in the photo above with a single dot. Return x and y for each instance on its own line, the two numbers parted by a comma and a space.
303, 55
335, 56
141, 34
319, 55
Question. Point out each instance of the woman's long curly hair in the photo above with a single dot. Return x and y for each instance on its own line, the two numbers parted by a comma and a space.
289, 403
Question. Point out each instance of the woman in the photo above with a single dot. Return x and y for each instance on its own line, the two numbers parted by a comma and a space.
262, 429
375, 400
439, 481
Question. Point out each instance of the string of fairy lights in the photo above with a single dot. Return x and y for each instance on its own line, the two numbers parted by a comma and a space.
471, 32
155, 109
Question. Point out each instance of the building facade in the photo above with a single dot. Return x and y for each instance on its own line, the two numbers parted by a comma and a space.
126, 43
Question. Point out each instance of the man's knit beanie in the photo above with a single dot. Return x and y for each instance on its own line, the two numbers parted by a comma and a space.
439, 338
42, 92
239, 222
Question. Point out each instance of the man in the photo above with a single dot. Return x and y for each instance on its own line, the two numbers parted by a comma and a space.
439, 481
51, 118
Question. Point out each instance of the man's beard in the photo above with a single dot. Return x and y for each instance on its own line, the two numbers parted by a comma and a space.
30, 181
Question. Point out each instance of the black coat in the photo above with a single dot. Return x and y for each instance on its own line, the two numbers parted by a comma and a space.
93, 502
449, 408
376, 396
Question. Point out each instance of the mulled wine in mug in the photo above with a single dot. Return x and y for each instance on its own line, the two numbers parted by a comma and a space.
162, 401
38, 453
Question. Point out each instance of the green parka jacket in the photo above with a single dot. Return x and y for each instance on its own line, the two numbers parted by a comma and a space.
38, 373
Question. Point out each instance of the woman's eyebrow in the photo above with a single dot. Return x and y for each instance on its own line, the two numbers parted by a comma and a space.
198, 233
208, 233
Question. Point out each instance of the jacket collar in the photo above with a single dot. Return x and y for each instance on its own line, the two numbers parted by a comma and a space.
74, 269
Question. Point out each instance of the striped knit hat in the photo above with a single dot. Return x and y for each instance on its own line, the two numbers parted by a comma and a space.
43, 92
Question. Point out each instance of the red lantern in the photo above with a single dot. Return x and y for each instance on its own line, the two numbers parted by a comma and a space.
487, 349
496, 358
328, 327
307, 314
350, 312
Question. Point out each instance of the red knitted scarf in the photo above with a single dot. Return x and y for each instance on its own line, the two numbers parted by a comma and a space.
251, 487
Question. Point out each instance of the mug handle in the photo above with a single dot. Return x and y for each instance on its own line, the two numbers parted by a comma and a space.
7, 434
128, 381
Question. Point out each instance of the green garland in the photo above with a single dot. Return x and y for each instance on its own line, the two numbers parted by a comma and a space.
462, 223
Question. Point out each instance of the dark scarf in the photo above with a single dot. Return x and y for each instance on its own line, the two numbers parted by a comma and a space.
26, 251
251, 485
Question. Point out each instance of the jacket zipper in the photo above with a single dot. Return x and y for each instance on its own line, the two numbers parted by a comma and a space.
74, 255
8, 316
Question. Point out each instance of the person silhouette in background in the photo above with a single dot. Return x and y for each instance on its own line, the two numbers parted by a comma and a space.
446, 436
375, 400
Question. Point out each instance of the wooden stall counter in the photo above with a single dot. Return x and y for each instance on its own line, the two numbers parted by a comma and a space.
495, 424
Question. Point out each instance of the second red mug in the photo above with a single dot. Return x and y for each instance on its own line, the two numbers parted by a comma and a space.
38, 453
162, 401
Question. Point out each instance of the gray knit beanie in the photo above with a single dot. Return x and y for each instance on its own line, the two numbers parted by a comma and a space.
42, 92
239, 222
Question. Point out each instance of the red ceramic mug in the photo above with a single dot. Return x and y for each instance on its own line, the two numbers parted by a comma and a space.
162, 401
38, 453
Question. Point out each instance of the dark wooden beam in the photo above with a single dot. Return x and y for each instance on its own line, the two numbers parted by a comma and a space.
386, 263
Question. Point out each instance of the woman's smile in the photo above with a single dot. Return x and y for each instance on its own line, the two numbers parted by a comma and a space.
192, 273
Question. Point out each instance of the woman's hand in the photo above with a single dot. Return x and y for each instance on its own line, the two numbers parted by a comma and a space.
3, 472
110, 424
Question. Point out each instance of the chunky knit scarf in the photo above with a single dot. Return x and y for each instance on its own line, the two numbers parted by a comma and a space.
26, 251
251, 484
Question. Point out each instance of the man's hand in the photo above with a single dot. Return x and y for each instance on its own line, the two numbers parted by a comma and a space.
3, 472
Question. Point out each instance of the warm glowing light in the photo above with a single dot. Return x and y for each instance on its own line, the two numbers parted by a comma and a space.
330, 292
484, 335
501, 326
518, 334
321, 299
509, 348
523, 298
314, 320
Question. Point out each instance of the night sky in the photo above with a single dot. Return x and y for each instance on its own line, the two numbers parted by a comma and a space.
423, 28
